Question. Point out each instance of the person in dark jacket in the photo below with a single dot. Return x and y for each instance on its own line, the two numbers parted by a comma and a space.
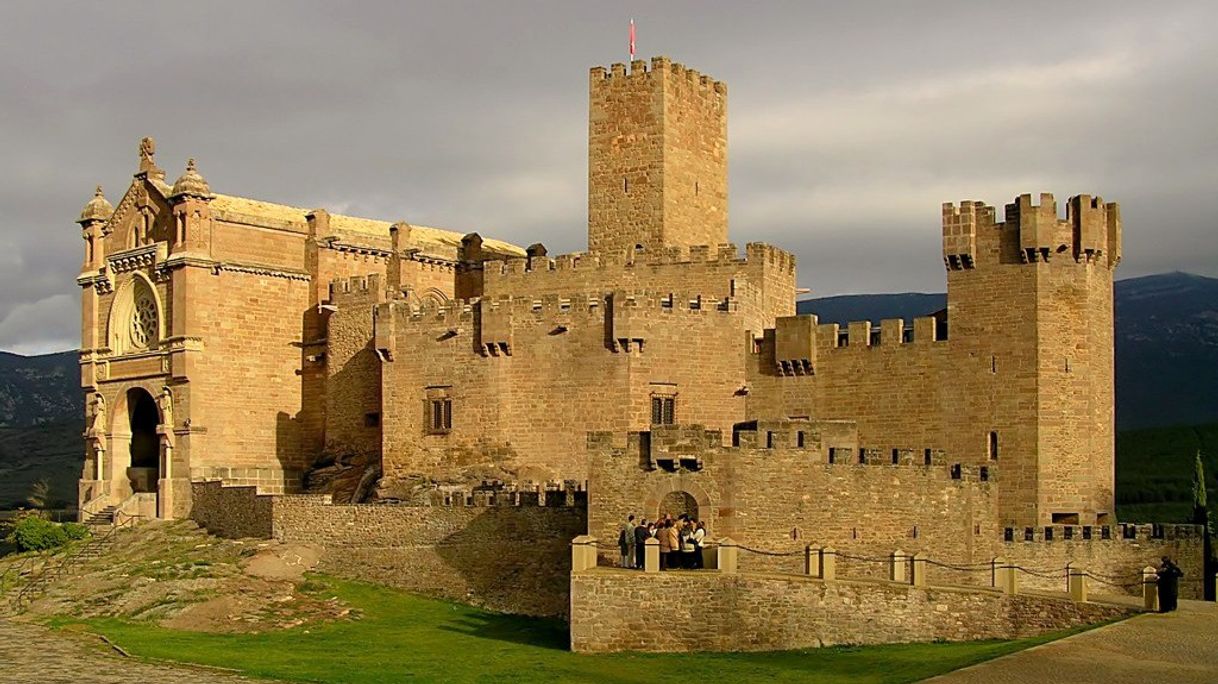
641, 535
1169, 585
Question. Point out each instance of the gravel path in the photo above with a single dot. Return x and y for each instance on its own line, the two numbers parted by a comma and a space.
35, 655
1179, 647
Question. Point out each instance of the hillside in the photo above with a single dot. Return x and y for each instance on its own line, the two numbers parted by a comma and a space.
1166, 342
1154, 472
39, 389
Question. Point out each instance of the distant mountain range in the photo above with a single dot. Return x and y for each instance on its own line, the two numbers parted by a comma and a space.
1166, 342
1166, 374
35, 390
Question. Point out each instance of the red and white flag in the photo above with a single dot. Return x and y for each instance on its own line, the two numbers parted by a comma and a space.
632, 40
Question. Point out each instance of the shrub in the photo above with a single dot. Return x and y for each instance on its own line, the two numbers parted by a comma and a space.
33, 533
75, 531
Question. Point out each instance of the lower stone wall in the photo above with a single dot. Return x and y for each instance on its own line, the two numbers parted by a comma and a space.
234, 512
514, 559
1115, 564
620, 610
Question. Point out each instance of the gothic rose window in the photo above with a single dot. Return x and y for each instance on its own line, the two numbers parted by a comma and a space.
144, 326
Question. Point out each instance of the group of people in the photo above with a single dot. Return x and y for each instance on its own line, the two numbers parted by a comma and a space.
680, 541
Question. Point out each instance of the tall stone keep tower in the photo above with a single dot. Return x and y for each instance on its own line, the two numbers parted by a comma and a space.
657, 157
1030, 314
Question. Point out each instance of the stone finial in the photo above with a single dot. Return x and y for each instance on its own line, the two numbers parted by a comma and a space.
98, 208
191, 184
147, 158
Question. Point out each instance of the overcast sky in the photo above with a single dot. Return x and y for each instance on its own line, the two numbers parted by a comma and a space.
849, 123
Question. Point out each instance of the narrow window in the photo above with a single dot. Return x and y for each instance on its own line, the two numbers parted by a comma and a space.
663, 410
926, 457
993, 446
862, 455
440, 415
957, 471
1008, 534
993, 364
695, 187
769, 439
799, 439
625, 185
896, 456
832, 454
1048, 533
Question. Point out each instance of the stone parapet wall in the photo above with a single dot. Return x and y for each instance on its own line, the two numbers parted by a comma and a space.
619, 610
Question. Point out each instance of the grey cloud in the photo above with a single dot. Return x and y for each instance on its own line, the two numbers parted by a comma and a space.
849, 123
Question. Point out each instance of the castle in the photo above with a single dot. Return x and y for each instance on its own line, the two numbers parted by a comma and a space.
235, 341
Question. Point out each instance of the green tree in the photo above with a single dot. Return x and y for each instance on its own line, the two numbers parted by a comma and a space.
39, 497
1201, 516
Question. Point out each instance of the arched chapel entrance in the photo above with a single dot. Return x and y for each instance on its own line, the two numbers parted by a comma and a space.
143, 417
135, 465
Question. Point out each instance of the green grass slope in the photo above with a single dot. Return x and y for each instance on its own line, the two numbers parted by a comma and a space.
400, 637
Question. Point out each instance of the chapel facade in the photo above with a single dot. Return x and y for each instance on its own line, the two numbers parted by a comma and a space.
236, 340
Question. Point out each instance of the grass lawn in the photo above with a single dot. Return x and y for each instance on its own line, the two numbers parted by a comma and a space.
406, 638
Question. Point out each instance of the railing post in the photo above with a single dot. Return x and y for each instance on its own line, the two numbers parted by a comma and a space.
1078, 584
1007, 578
651, 555
896, 566
583, 553
1150, 589
917, 570
828, 564
727, 556
812, 561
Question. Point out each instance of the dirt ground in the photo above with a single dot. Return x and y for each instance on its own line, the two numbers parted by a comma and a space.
176, 575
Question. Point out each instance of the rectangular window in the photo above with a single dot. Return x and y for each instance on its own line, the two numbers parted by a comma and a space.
993, 446
663, 410
799, 439
927, 459
440, 415
896, 456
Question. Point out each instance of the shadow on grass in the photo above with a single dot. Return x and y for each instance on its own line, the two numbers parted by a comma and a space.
541, 633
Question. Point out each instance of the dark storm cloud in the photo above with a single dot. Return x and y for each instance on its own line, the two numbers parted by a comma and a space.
849, 124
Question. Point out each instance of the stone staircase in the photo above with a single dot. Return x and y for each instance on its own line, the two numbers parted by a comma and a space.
102, 527
101, 520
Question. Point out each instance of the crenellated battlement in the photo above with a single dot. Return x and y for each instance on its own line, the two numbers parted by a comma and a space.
831, 443
357, 291
891, 332
660, 69
1090, 232
756, 253
497, 494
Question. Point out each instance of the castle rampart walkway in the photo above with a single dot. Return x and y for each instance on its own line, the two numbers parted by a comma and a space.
1180, 647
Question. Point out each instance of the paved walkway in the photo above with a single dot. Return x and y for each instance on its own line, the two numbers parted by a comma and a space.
1180, 648
35, 655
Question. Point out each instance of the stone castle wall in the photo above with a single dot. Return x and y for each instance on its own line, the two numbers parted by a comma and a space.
776, 501
528, 378
514, 559
619, 610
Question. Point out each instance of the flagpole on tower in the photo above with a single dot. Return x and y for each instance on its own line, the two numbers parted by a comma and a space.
632, 39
